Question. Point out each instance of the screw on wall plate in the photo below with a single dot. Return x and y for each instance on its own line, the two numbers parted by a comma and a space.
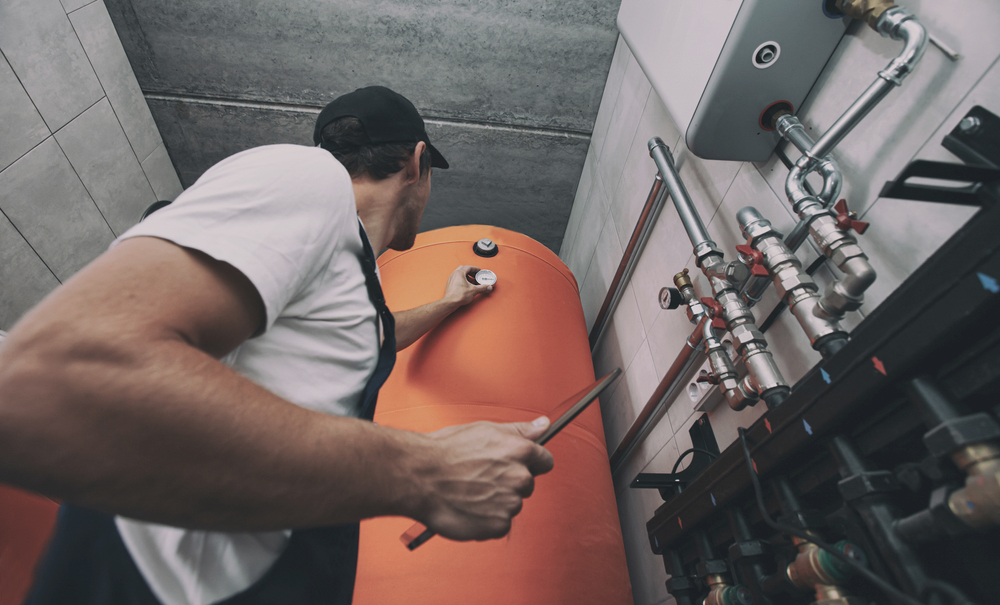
969, 124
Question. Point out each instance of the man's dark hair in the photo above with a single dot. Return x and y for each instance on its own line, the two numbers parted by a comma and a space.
345, 138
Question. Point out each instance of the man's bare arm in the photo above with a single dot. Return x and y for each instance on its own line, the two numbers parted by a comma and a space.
459, 291
111, 396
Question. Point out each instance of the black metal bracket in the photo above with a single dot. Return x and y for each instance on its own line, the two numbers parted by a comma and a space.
976, 139
981, 192
671, 484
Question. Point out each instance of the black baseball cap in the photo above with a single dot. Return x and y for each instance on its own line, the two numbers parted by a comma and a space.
387, 117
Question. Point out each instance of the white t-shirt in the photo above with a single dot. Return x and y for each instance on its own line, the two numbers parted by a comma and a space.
284, 215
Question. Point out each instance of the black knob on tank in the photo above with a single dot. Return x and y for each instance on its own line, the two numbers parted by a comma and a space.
485, 247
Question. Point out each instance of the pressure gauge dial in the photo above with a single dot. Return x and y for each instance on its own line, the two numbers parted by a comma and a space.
670, 298
485, 277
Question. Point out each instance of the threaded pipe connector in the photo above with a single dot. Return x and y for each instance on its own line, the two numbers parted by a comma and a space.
868, 11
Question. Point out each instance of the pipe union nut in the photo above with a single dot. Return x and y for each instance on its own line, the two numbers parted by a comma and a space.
846, 252
729, 384
793, 282
744, 335
756, 230
838, 302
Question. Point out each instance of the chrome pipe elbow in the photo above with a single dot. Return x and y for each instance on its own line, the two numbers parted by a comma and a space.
791, 129
795, 183
899, 24
833, 181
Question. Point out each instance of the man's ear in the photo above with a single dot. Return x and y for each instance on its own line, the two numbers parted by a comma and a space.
413, 164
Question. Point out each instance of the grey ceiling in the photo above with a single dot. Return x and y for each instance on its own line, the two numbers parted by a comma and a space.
510, 88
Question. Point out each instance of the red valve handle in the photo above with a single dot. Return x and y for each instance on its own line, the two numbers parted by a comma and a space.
714, 308
846, 220
755, 260
718, 323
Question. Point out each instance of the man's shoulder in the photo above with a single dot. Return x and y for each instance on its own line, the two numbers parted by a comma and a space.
287, 157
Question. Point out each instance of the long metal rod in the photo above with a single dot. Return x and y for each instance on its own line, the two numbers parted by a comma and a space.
650, 412
682, 199
630, 258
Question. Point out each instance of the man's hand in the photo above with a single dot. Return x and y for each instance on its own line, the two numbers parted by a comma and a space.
481, 475
458, 292
461, 288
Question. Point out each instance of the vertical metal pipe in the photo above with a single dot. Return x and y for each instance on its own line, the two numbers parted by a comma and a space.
682, 199
640, 235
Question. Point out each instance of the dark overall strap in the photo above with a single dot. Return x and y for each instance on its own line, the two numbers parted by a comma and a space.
87, 563
387, 354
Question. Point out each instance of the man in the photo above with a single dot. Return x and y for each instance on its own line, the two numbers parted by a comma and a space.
113, 396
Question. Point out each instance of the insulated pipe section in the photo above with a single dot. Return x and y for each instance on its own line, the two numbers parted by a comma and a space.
792, 284
703, 244
640, 235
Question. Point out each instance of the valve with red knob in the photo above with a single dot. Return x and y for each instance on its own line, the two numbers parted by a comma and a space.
707, 378
715, 312
847, 220
753, 259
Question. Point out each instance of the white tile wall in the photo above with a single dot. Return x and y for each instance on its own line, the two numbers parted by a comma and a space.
81, 156
643, 339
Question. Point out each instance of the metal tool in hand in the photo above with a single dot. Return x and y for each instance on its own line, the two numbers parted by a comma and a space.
565, 412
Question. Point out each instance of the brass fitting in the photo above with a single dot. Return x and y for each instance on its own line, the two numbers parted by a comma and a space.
978, 503
720, 593
815, 569
682, 280
868, 11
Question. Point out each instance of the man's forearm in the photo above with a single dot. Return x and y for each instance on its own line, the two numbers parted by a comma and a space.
160, 431
459, 291
112, 397
414, 323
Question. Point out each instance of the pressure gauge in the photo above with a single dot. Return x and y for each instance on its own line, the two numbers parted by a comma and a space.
670, 298
485, 277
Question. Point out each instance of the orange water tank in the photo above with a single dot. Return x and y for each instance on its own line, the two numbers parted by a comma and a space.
510, 356
26, 524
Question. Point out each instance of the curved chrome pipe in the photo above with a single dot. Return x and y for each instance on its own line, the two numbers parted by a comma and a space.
848, 293
896, 23
791, 130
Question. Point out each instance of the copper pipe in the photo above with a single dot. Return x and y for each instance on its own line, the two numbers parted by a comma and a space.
643, 421
643, 227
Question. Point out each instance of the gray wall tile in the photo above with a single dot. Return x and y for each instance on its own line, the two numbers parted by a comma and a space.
25, 278
39, 42
99, 152
100, 41
161, 174
21, 128
44, 198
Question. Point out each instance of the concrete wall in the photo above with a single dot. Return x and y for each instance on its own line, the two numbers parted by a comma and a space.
80, 157
642, 338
